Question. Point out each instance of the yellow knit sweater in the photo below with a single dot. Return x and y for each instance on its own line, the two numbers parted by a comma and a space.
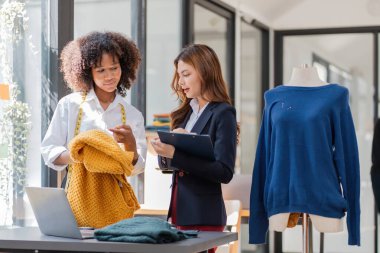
98, 192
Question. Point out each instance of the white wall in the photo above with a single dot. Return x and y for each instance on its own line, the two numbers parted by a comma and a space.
326, 13
303, 14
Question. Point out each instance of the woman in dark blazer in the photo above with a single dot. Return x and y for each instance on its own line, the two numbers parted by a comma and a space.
197, 201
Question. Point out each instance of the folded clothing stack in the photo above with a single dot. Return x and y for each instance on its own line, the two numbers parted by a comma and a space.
160, 122
143, 230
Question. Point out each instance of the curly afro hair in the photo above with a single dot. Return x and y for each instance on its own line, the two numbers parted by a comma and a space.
79, 56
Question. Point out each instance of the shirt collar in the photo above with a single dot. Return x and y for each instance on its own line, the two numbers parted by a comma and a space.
91, 95
118, 99
195, 106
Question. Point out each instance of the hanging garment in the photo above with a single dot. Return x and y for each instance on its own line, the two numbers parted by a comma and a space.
306, 159
99, 193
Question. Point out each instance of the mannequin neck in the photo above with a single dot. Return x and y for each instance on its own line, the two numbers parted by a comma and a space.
305, 77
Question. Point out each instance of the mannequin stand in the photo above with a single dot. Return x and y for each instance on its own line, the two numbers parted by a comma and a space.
322, 243
307, 234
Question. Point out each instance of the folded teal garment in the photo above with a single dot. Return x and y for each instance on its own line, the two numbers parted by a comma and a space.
143, 230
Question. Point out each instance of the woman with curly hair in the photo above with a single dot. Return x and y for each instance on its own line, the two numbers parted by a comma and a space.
196, 200
99, 68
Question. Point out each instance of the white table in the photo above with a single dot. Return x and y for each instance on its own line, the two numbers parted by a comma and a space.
31, 238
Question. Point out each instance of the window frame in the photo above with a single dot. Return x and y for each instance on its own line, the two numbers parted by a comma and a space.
222, 10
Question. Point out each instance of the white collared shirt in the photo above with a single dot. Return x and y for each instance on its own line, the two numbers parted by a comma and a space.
195, 114
62, 126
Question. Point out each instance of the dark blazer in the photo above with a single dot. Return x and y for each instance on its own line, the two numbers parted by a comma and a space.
375, 169
199, 194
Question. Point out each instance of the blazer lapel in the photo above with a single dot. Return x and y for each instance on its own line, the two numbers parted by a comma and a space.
183, 124
203, 119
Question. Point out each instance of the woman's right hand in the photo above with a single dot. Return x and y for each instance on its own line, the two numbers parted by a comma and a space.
124, 134
180, 130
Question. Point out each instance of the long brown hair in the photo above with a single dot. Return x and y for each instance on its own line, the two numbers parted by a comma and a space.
206, 63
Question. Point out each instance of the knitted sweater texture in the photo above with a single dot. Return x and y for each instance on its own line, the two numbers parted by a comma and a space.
307, 159
143, 230
98, 192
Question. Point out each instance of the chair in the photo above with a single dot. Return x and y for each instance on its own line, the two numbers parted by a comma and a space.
239, 188
233, 208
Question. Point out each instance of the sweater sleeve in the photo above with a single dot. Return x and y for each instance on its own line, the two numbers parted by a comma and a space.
346, 158
258, 219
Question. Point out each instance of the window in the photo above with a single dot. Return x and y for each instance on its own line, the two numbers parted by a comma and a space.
20, 115
214, 25
211, 29
250, 95
163, 46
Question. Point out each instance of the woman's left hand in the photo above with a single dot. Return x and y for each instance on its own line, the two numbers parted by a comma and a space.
162, 149
123, 134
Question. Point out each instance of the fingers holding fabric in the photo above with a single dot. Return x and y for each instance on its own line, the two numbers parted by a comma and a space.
124, 134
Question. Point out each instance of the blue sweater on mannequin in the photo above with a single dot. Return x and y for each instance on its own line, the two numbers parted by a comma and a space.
307, 159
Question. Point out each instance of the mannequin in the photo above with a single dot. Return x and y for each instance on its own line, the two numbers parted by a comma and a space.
306, 161
306, 76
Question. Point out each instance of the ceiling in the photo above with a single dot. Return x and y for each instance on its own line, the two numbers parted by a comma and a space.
299, 14
351, 52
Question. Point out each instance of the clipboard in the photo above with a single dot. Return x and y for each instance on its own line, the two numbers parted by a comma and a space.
194, 144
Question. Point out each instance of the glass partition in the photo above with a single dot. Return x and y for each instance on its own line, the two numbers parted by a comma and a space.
250, 95
163, 46
210, 28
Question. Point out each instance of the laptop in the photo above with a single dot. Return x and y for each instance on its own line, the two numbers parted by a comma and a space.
53, 213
